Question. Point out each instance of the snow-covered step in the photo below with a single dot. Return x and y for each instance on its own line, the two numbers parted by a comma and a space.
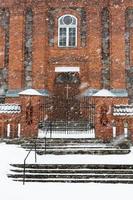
72, 146
67, 146
84, 151
66, 140
42, 146
72, 176
74, 166
100, 173
109, 181
73, 171
70, 134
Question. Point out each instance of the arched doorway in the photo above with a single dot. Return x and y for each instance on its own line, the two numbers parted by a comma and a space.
66, 105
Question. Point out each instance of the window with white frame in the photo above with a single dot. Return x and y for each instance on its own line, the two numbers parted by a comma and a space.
67, 31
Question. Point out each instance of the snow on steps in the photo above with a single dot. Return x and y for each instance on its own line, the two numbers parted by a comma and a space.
62, 146
73, 173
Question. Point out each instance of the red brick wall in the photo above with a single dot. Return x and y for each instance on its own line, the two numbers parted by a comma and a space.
120, 121
106, 132
15, 71
90, 66
13, 120
46, 58
40, 49
94, 46
30, 129
117, 47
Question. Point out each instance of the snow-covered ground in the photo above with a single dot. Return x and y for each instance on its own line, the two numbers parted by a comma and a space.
60, 191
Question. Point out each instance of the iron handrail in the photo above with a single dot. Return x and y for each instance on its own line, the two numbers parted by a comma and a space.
34, 146
49, 127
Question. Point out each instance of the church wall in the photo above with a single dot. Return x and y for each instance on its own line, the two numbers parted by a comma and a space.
15, 70
117, 47
129, 50
4, 48
103, 53
104, 118
44, 44
40, 36
94, 47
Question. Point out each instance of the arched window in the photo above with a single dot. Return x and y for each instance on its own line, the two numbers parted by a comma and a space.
67, 31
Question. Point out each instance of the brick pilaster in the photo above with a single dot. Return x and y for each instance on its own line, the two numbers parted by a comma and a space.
117, 47
15, 74
94, 47
39, 70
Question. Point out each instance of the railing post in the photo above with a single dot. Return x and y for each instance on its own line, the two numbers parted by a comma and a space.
50, 129
45, 144
24, 174
35, 152
26, 159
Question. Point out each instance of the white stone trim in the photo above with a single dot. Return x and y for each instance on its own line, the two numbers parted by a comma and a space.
67, 69
8, 130
125, 132
114, 131
19, 130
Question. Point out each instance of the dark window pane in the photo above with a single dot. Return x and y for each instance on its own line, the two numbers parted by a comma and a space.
67, 77
67, 20
72, 37
62, 37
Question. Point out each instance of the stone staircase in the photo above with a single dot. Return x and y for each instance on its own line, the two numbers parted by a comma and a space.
62, 146
72, 173
57, 126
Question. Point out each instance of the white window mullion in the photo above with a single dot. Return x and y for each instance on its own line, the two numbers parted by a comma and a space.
58, 35
67, 37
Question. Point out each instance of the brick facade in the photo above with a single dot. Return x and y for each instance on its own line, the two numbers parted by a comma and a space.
29, 51
104, 129
92, 17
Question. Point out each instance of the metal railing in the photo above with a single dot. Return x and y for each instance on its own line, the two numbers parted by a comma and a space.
49, 127
33, 146
70, 127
